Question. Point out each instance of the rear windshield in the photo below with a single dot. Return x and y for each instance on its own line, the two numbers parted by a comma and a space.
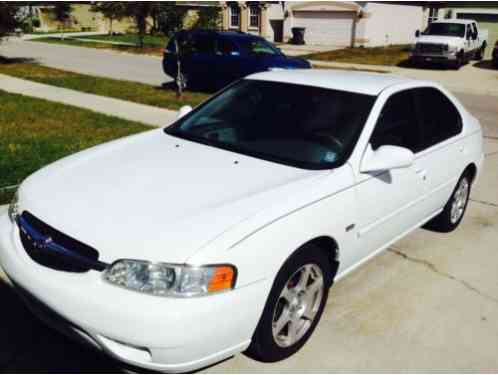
302, 126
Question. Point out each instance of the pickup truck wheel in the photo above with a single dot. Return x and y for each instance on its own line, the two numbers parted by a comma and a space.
458, 62
294, 306
480, 53
452, 214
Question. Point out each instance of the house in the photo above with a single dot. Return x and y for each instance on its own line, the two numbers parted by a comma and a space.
337, 23
484, 12
81, 19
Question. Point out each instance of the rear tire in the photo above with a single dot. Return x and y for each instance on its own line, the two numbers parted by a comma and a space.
294, 306
454, 210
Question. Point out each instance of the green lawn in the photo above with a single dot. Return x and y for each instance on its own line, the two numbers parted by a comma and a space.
389, 56
148, 49
149, 40
35, 132
126, 90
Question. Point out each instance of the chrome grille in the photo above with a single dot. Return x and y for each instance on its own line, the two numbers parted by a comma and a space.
431, 48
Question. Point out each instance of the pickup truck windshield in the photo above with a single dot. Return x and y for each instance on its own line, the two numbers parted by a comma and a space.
446, 29
302, 126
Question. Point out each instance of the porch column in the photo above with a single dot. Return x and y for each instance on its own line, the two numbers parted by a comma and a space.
244, 17
263, 21
224, 15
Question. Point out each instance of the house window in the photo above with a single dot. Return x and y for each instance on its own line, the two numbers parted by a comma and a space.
433, 14
234, 16
254, 16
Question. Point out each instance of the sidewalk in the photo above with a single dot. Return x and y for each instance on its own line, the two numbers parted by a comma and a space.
471, 79
145, 114
58, 35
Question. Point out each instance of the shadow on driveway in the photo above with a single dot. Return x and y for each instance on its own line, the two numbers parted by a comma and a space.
485, 64
27, 345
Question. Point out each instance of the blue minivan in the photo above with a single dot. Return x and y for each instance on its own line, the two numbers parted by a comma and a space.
216, 58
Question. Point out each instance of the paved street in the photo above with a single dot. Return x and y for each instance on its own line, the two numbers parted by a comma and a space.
430, 303
98, 62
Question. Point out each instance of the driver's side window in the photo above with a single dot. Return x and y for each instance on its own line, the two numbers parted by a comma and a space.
397, 124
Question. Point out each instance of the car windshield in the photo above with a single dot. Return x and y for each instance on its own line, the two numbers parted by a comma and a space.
446, 29
302, 126
260, 47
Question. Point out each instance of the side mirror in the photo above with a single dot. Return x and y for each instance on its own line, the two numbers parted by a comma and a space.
386, 158
417, 33
183, 111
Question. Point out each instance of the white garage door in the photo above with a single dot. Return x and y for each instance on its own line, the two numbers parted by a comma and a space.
327, 28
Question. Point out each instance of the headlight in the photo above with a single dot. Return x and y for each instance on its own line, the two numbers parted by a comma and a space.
170, 280
14, 208
453, 49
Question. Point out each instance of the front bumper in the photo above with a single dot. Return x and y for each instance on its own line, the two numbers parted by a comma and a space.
433, 57
156, 333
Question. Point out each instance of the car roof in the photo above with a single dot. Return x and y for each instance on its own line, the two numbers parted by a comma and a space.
462, 21
226, 34
351, 81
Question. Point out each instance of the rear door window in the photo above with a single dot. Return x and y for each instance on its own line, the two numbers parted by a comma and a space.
440, 120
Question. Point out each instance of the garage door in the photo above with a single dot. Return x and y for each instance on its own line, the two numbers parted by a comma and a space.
486, 22
326, 28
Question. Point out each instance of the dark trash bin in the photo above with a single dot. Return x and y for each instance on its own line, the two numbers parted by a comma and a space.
298, 35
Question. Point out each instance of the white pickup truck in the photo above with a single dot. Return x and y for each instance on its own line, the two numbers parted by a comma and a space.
450, 41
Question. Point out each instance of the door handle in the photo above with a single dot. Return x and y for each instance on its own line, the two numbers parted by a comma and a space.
461, 148
422, 173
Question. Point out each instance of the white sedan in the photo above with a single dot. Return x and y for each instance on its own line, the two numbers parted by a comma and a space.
177, 248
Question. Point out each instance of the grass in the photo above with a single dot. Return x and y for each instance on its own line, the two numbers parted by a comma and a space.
149, 40
350, 69
389, 56
35, 132
162, 97
154, 50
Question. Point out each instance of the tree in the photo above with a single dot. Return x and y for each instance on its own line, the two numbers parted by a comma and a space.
139, 11
112, 10
209, 17
171, 18
62, 13
9, 18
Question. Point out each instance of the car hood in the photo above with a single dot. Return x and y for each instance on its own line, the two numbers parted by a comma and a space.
440, 39
154, 196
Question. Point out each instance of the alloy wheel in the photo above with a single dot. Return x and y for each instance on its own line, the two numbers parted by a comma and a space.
298, 305
459, 202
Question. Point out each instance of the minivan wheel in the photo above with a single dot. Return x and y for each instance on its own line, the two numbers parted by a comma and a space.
182, 81
294, 306
452, 214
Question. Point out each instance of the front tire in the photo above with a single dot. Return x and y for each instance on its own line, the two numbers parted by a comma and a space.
294, 306
454, 210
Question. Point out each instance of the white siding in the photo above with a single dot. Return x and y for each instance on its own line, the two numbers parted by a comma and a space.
388, 24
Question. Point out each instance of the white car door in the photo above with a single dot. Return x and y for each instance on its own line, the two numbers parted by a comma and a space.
390, 201
442, 152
